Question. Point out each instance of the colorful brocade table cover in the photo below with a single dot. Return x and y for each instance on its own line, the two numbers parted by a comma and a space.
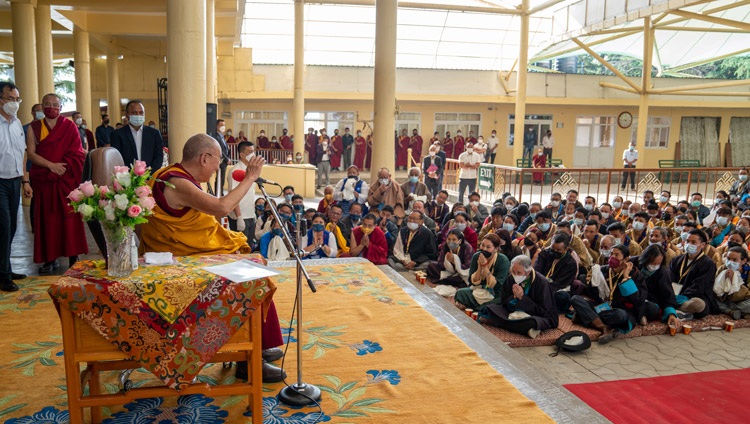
170, 318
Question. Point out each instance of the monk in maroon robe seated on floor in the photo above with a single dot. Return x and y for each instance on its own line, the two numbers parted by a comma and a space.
56, 153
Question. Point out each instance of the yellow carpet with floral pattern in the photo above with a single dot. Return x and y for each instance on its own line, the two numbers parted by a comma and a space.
377, 356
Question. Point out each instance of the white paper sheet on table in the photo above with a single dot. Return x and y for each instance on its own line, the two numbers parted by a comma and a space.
241, 271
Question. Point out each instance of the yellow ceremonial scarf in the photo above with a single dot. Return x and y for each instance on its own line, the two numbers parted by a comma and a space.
194, 233
340, 240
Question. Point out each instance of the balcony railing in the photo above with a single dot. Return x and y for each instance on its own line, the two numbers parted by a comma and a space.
270, 155
602, 184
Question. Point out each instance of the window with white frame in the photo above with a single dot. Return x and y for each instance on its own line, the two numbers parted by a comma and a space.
409, 121
657, 132
330, 121
466, 122
252, 122
595, 131
539, 123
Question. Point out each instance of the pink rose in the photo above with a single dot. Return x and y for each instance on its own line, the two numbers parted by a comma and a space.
121, 170
147, 203
139, 168
116, 184
103, 190
87, 189
143, 191
76, 195
134, 211
103, 203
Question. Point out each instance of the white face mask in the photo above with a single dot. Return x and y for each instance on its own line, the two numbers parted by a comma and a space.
519, 278
605, 215
11, 108
39, 114
652, 267
385, 181
461, 226
474, 203
79, 121
325, 146
412, 226
470, 150
136, 120
433, 153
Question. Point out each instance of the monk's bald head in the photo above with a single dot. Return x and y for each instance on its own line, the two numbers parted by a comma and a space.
197, 145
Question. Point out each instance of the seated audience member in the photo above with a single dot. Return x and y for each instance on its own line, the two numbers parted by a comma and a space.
308, 216
589, 204
618, 304
568, 213
553, 207
534, 209
184, 223
581, 254
660, 302
418, 206
527, 305
334, 227
438, 209
351, 190
457, 207
664, 199
298, 205
668, 215
351, 221
558, 265
506, 245
529, 243
288, 192
368, 241
697, 206
544, 225
461, 223
387, 226
496, 222
654, 214
286, 213
591, 239
605, 249
477, 212
633, 209
327, 200
693, 276
414, 190
454, 260
721, 227
617, 230
607, 217
319, 243
618, 212
579, 218
735, 238
385, 191
660, 236
510, 223
273, 246
731, 285
639, 231
487, 275
415, 246
648, 198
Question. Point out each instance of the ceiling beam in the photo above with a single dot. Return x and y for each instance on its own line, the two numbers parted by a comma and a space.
694, 87
712, 19
593, 43
430, 6
544, 6
709, 60
618, 87
608, 65
702, 29
706, 12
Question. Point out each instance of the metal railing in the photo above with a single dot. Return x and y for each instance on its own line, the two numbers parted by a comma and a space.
601, 183
270, 155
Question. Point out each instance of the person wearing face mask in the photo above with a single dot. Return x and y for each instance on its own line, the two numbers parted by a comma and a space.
337, 147
478, 213
414, 190
360, 149
629, 159
617, 208
242, 217
54, 147
469, 162
323, 156
261, 216
385, 191
460, 222
415, 144
311, 146
334, 226
544, 224
402, 150
368, 241
529, 219
529, 243
527, 305
660, 236
558, 264
693, 276
639, 232
347, 144
614, 299
696, 204
731, 284
488, 273
454, 260
351, 220
136, 141
288, 193
722, 227
507, 247
327, 200
318, 243
419, 206
298, 205
660, 304
78, 120
262, 141
605, 250
617, 230
553, 207
438, 208
415, 246
272, 244
432, 166
285, 141
538, 161
495, 223
740, 187
351, 190
459, 144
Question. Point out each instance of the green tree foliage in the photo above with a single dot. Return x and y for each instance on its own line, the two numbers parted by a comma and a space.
737, 67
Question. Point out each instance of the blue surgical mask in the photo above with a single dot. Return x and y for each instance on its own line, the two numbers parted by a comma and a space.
461, 226
299, 208
732, 265
355, 216
691, 249
578, 221
276, 232
260, 208
413, 179
588, 207
288, 198
452, 245
617, 205
318, 227
533, 215
509, 228
544, 227
285, 217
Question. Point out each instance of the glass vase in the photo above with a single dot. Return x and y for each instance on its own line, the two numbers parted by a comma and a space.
119, 240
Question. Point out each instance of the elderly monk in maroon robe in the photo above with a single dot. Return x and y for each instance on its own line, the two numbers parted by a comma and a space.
360, 148
402, 157
285, 141
416, 146
54, 148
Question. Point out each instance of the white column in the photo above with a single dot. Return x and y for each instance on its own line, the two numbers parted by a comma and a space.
44, 53
82, 73
114, 107
298, 105
210, 52
385, 86
24, 55
521, 74
186, 98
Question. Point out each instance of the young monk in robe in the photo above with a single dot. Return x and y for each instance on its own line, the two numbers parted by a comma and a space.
184, 223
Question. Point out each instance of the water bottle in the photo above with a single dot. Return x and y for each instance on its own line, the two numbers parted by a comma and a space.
134, 254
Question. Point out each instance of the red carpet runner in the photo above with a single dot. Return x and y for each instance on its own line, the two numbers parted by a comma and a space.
706, 397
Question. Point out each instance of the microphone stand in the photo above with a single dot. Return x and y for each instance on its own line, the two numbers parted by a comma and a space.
300, 393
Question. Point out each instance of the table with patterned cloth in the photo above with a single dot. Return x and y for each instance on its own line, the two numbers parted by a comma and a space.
171, 319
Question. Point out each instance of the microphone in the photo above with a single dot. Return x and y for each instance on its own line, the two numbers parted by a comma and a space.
239, 175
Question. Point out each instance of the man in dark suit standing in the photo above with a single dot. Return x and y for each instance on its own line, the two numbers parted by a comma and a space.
432, 167
137, 141
219, 136
104, 132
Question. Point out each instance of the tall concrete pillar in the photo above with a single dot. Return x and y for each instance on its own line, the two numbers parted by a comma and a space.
24, 54
385, 86
298, 105
521, 74
82, 60
114, 107
186, 29
210, 52
642, 130
44, 53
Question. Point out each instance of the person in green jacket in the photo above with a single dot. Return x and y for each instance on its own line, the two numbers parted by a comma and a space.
487, 274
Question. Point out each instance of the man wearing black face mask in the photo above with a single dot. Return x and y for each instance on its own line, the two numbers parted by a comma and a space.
104, 132
559, 266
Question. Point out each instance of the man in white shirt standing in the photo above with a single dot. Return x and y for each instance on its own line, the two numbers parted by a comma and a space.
469, 162
629, 158
480, 147
548, 142
242, 217
492, 144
